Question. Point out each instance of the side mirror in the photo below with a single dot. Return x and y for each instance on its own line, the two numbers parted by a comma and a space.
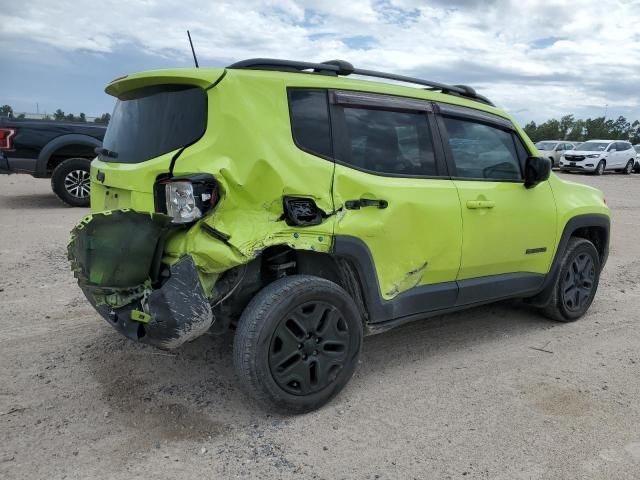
536, 170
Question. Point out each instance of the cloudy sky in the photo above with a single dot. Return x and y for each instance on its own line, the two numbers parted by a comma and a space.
536, 59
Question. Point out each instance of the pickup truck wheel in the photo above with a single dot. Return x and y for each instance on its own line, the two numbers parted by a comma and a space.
577, 282
628, 168
70, 182
297, 343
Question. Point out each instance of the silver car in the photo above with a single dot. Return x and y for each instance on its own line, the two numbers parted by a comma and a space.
554, 149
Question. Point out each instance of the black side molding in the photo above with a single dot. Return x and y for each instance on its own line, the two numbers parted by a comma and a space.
427, 300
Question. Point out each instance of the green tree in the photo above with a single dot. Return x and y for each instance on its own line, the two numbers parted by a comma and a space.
6, 111
82, 117
531, 129
58, 115
21, 115
103, 119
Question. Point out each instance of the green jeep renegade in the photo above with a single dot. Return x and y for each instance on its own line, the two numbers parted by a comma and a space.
303, 209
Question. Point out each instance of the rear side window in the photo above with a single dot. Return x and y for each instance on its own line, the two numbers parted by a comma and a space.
482, 151
389, 142
309, 110
152, 121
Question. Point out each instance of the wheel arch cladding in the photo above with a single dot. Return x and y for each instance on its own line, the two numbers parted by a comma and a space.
59, 143
594, 227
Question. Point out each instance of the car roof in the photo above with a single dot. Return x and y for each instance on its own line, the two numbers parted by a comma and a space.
344, 68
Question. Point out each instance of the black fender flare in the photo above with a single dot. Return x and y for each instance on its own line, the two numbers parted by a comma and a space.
62, 141
575, 223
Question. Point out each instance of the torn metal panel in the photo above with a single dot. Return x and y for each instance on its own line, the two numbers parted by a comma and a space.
116, 254
116, 257
410, 279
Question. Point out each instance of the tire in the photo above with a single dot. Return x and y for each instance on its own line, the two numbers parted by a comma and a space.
566, 304
600, 168
297, 343
553, 162
70, 182
628, 168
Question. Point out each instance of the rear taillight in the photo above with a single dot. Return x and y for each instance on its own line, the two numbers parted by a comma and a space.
186, 198
6, 138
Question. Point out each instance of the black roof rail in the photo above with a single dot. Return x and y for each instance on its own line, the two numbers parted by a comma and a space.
344, 68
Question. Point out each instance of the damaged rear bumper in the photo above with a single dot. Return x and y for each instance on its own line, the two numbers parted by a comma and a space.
116, 259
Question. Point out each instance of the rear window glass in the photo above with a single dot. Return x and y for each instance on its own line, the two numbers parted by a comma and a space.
310, 120
389, 142
152, 121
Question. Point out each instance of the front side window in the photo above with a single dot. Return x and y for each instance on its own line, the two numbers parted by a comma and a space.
310, 120
389, 142
481, 151
542, 146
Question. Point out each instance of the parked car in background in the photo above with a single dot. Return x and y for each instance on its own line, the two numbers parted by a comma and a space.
600, 155
61, 151
553, 149
636, 168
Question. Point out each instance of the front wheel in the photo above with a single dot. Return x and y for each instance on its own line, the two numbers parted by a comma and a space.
70, 182
576, 284
628, 168
297, 343
600, 168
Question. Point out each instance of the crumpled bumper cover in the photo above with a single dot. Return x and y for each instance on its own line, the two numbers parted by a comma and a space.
115, 271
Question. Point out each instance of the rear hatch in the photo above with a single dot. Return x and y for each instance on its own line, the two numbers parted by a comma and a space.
158, 114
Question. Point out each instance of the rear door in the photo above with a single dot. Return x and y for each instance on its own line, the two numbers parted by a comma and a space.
613, 159
507, 228
393, 193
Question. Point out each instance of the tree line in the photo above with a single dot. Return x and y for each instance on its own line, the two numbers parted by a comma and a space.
578, 130
7, 111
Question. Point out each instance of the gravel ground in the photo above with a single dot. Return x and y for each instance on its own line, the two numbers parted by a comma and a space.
460, 396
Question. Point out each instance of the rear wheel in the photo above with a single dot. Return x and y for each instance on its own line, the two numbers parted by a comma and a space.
628, 168
70, 181
576, 284
600, 168
297, 343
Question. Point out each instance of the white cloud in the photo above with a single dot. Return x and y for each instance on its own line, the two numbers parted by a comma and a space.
540, 58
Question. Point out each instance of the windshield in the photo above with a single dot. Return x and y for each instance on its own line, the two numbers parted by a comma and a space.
546, 145
592, 146
155, 120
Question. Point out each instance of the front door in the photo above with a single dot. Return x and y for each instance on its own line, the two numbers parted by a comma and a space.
392, 193
509, 231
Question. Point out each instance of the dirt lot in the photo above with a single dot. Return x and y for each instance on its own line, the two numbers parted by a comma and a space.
461, 396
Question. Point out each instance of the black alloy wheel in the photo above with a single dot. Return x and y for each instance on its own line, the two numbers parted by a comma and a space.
297, 343
309, 348
578, 282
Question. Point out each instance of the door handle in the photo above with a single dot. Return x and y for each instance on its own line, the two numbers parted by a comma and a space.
473, 204
365, 202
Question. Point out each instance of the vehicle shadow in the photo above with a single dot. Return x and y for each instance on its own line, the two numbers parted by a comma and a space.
193, 393
31, 201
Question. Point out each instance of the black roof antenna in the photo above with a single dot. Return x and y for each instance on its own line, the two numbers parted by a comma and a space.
195, 59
